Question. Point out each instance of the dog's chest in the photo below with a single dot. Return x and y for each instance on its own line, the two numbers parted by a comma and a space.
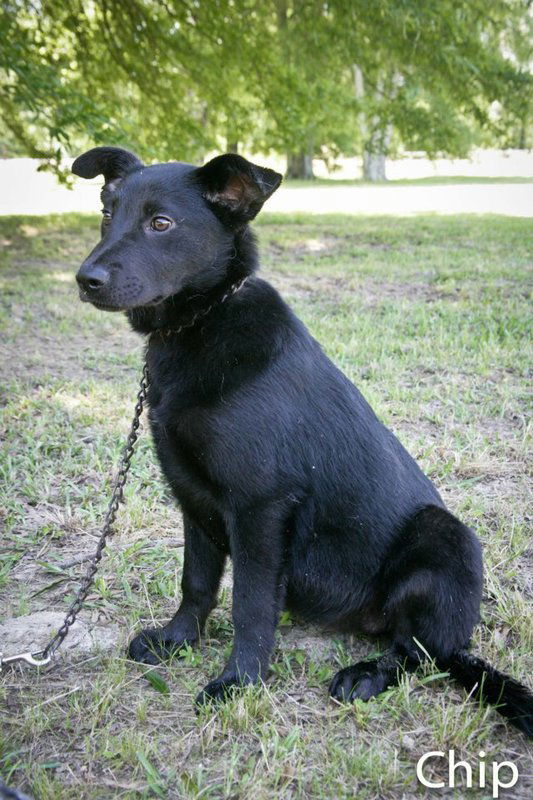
182, 452
212, 443
185, 436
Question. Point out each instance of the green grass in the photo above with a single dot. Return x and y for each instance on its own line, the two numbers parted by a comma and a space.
430, 316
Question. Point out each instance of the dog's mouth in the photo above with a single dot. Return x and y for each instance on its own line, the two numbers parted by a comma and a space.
157, 300
106, 307
111, 307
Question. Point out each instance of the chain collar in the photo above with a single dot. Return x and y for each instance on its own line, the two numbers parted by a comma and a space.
233, 289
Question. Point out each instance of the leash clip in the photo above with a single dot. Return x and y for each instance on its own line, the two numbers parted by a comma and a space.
29, 658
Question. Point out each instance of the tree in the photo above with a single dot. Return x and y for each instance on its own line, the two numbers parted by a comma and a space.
433, 73
38, 102
304, 86
310, 78
79, 73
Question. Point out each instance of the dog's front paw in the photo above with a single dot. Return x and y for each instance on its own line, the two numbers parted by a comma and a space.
221, 689
359, 682
154, 645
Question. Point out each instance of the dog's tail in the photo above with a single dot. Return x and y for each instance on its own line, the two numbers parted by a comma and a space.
512, 699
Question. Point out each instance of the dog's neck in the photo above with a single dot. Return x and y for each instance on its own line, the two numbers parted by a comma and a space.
168, 331
182, 310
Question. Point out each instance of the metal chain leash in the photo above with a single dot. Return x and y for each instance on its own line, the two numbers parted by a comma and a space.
44, 656
233, 289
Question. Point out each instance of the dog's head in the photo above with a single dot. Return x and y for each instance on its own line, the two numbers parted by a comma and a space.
166, 227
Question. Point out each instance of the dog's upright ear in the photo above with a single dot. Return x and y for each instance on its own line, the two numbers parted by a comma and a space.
235, 188
111, 162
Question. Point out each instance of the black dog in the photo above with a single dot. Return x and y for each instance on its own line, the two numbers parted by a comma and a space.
273, 455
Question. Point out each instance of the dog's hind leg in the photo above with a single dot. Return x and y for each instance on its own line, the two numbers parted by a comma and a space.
428, 593
202, 570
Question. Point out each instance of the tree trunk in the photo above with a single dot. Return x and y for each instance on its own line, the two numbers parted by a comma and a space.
522, 138
374, 154
300, 165
232, 146
376, 139
374, 166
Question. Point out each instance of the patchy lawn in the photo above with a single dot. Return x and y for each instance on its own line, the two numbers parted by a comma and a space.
429, 316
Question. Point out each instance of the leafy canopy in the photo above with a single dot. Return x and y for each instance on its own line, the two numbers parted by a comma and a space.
181, 77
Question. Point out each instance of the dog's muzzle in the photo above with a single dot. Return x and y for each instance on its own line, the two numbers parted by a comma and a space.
92, 279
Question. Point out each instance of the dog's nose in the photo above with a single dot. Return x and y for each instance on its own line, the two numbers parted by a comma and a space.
92, 277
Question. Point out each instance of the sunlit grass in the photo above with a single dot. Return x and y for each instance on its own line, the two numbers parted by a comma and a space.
430, 317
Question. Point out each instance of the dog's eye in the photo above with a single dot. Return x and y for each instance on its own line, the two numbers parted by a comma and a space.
106, 217
160, 224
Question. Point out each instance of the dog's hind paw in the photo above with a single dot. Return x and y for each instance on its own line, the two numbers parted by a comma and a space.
359, 682
154, 645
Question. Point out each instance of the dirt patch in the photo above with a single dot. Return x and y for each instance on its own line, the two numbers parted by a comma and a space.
314, 245
309, 287
374, 293
32, 632
369, 293
44, 356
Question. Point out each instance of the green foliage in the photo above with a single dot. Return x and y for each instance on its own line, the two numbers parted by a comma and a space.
178, 79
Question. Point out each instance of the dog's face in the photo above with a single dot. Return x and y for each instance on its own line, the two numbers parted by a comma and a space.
166, 227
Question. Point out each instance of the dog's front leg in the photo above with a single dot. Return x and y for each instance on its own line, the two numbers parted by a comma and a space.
202, 569
257, 550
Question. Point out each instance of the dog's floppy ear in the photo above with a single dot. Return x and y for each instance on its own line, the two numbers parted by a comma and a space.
235, 188
111, 162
